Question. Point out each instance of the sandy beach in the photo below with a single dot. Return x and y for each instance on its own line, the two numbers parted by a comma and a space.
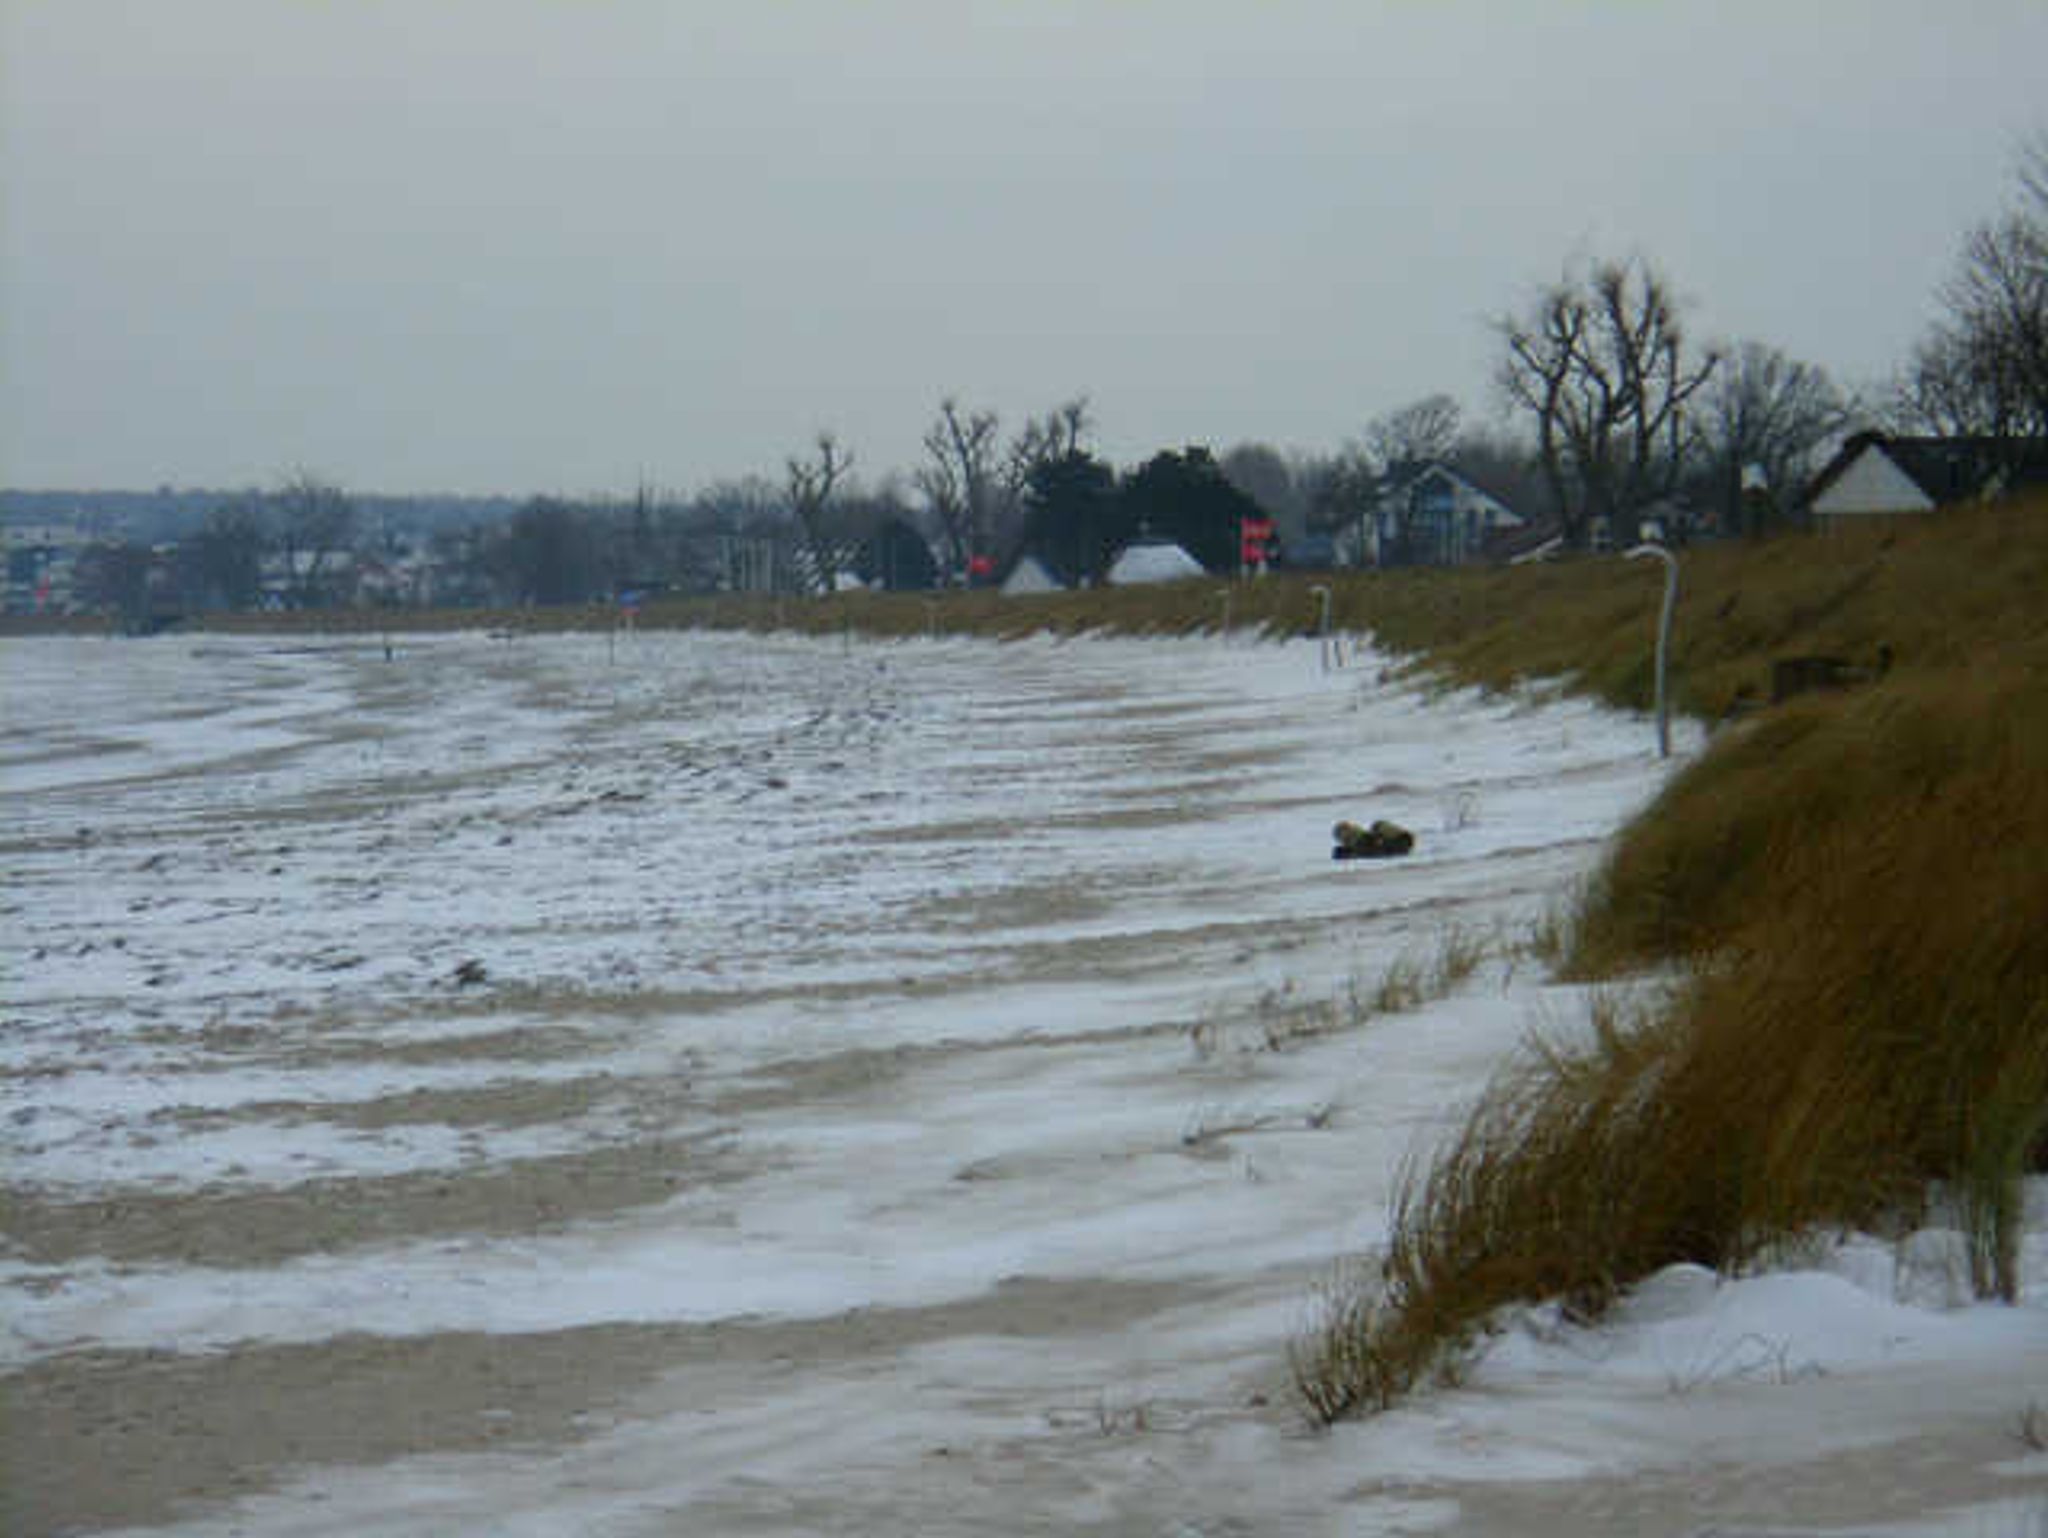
670, 1083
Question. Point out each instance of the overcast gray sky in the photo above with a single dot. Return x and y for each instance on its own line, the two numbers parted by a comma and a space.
525, 245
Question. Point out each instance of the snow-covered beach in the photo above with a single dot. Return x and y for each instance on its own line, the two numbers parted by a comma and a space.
668, 1083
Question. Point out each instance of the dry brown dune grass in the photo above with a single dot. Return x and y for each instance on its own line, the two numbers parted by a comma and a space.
1852, 889
1957, 588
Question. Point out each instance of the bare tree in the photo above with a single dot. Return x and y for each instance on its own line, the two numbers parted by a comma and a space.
811, 482
742, 529
1266, 475
1941, 390
958, 480
1983, 369
1414, 434
1998, 301
1060, 434
115, 577
938, 481
1047, 449
1771, 412
1600, 362
1340, 493
550, 552
1262, 473
316, 521
220, 565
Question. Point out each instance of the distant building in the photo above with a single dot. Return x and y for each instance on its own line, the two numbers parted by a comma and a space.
41, 561
1030, 575
1152, 560
1878, 475
1428, 515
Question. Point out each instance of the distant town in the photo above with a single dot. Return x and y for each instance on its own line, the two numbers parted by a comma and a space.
144, 561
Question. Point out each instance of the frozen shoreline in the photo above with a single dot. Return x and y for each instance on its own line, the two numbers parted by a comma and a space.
1002, 992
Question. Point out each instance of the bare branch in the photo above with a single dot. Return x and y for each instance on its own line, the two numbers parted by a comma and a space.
810, 495
1420, 431
1600, 363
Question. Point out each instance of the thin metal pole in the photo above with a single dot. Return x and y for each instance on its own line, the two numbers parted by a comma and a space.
1663, 640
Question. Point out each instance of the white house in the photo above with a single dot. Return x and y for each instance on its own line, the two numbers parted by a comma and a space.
1429, 515
1876, 475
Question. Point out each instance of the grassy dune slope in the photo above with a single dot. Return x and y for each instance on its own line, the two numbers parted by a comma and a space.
1852, 889
1956, 589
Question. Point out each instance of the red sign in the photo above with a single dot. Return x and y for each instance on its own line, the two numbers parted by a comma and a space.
1256, 540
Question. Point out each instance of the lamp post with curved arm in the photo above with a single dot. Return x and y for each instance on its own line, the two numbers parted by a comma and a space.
1663, 638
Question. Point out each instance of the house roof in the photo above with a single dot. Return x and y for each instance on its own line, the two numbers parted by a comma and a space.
1030, 575
1402, 479
1153, 560
1945, 469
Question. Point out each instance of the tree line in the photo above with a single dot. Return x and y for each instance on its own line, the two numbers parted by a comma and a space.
1613, 409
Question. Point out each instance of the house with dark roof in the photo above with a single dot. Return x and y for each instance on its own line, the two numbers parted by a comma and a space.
1880, 475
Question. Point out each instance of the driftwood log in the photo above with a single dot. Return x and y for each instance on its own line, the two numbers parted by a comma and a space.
1382, 841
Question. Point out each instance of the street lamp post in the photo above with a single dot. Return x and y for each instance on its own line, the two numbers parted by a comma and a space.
1323, 624
1663, 639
